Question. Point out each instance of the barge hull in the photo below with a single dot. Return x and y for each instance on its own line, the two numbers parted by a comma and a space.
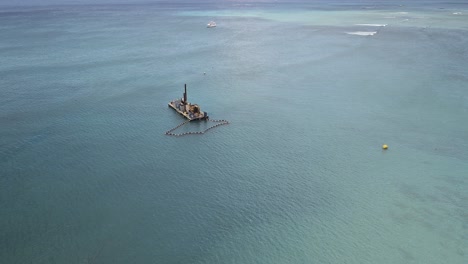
186, 115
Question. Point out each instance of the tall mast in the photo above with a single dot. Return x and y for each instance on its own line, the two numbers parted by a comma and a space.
185, 94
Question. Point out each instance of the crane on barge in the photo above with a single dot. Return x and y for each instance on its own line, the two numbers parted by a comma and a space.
191, 112
188, 110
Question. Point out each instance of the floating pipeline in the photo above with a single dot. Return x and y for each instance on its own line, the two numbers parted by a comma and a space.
219, 122
169, 132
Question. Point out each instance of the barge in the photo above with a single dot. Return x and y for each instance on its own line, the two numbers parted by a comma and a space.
188, 110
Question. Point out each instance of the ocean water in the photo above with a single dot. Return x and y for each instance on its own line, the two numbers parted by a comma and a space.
311, 90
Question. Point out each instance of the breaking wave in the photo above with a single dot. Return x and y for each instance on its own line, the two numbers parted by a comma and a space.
362, 33
372, 25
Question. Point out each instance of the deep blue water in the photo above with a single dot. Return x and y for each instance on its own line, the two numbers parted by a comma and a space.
311, 91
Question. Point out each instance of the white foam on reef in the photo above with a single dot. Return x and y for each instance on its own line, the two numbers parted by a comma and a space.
457, 13
372, 25
362, 33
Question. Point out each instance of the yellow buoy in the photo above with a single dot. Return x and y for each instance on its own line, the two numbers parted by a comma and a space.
384, 146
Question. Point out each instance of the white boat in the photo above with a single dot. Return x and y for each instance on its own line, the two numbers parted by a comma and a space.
211, 24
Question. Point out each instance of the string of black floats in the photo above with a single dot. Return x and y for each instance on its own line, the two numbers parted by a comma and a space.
219, 122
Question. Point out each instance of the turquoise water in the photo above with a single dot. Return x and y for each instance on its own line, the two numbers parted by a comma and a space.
298, 176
